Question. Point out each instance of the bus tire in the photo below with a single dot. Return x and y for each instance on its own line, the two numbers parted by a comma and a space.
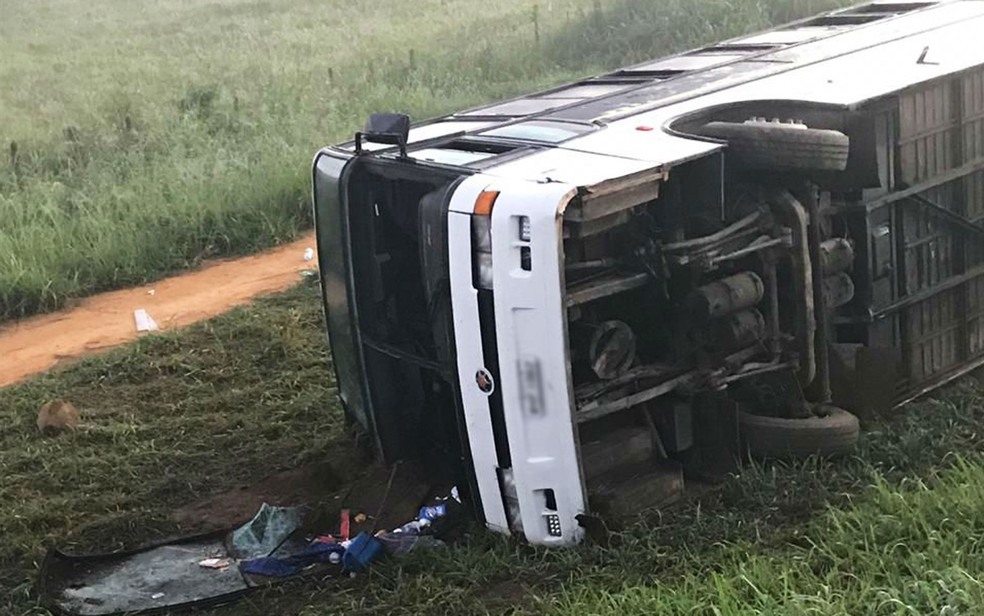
775, 146
834, 434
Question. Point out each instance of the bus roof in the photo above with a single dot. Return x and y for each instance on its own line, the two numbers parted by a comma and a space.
841, 59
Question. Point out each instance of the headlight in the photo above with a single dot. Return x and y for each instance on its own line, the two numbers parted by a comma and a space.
483, 270
481, 227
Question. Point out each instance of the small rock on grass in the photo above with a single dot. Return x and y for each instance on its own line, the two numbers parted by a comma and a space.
57, 416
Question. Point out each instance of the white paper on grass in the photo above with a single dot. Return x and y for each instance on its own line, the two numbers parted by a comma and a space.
145, 323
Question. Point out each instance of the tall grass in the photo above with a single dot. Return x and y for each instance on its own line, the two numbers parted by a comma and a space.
139, 138
909, 549
630, 31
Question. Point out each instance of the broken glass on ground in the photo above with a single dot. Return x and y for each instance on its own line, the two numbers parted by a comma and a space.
153, 579
265, 532
170, 576
175, 576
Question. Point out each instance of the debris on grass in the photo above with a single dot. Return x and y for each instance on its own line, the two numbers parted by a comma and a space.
268, 529
268, 549
277, 544
400, 543
194, 571
57, 416
145, 323
422, 533
314, 553
344, 523
360, 552
215, 563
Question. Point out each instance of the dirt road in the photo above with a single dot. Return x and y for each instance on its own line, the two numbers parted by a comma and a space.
104, 321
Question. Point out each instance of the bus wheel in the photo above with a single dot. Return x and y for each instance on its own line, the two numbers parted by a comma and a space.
781, 146
833, 433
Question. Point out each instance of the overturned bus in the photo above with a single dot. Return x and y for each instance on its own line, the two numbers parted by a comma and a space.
573, 300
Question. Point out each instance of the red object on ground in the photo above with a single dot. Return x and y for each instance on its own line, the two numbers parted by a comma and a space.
344, 525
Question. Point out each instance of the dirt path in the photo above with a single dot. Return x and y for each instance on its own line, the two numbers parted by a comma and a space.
104, 321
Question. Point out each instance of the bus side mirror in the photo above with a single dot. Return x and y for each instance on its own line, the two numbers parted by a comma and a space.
390, 128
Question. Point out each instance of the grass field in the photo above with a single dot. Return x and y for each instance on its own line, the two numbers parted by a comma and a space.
139, 138
170, 419
149, 136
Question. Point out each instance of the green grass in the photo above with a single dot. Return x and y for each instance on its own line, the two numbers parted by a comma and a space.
172, 418
139, 138
902, 549
166, 420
